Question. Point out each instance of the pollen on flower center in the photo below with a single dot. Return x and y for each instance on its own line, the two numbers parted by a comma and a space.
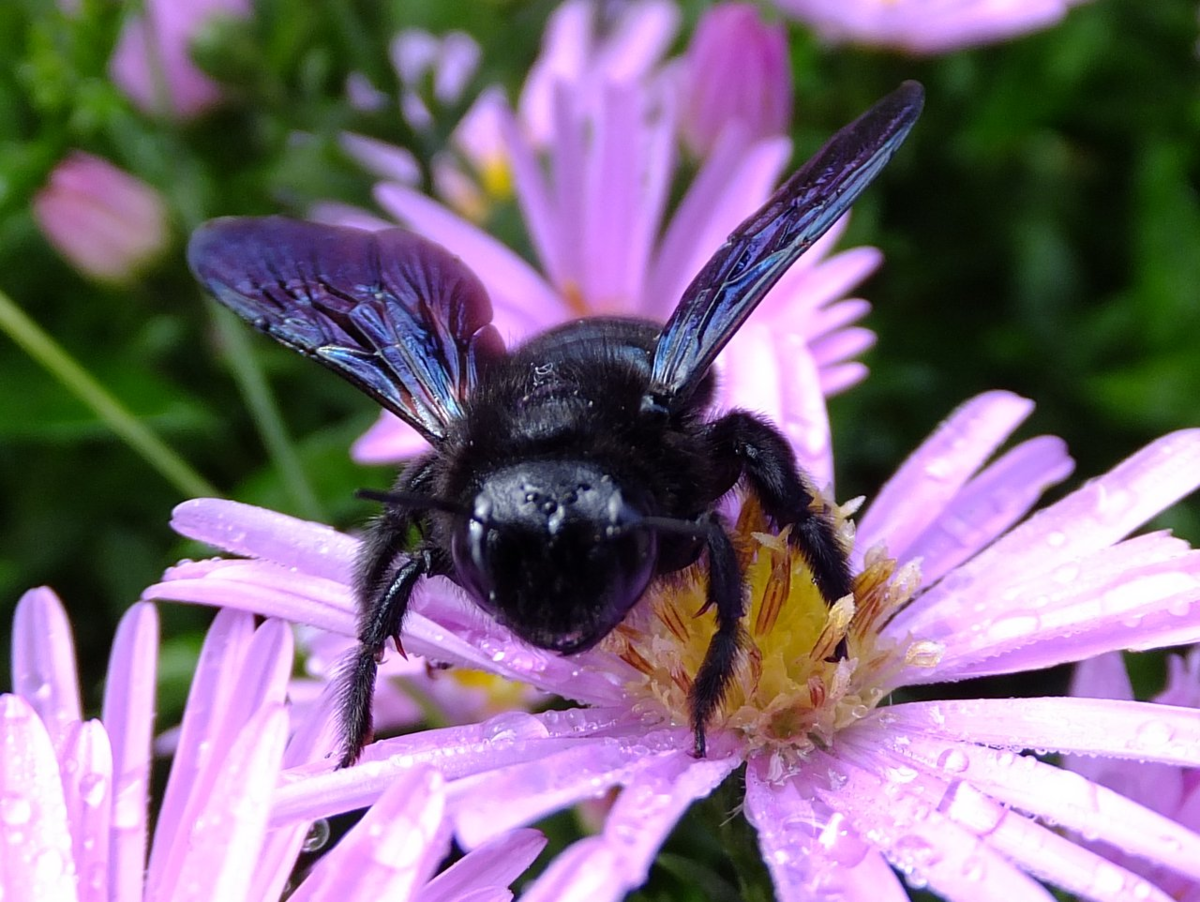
787, 692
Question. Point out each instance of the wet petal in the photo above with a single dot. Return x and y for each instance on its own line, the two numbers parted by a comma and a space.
224, 838
929, 848
989, 504
35, 839
1057, 796
1138, 731
492, 803
392, 851
927, 482
491, 867
812, 856
87, 789
310, 792
129, 720
43, 661
250, 531
1088, 520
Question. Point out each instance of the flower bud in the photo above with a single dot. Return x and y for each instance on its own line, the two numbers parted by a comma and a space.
736, 70
107, 223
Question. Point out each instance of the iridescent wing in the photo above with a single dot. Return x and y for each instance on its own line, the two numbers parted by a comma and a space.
761, 249
392, 312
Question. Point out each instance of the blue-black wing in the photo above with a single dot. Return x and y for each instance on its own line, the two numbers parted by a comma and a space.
761, 249
395, 314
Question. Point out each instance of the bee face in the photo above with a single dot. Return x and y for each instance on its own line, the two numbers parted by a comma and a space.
550, 552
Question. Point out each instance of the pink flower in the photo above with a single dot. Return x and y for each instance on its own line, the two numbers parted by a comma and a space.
107, 223
74, 794
595, 216
844, 779
926, 26
152, 63
1171, 791
736, 70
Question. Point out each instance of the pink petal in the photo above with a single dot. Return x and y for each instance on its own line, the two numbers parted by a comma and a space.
836, 379
1057, 796
897, 811
534, 196
730, 185
35, 838
224, 839
1136, 731
581, 873
524, 303
812, 856
494, 802
494, 865
392, 851
311, 791
216, 687
382, 159
389, 440
1140, 593
129, 721
262, 587
989, 504
336, 213
256, 532
87, 789
1088, 520
928, 481
43, 661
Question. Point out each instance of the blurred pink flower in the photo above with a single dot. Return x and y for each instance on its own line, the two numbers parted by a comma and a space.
152, 62
840, 785
736, 69
107, 223
1171, 791
926, 26
598, 113
74, 794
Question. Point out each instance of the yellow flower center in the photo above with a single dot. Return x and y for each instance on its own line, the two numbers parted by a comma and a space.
786, 695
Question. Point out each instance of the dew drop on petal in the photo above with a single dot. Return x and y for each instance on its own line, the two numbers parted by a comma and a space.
954, 761
15, 810
93, 789
1056, 539
1154, 734
1013, 626
974, 868
317, 836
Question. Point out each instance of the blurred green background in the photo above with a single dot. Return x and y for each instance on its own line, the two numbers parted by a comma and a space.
1041, 230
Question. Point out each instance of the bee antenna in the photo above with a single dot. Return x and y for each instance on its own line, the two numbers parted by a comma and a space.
413, 500
670, 525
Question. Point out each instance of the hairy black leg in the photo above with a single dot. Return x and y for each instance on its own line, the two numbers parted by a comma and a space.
383, 585
757, 451
725, 593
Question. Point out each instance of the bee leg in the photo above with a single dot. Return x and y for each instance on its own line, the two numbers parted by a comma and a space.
726, 594
760, 454
383, 586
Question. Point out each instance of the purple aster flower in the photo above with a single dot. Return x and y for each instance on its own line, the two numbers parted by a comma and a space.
107, 223
604, 118
735, 70
1171, 791
926, 26
74, 794
152, 63
840, 786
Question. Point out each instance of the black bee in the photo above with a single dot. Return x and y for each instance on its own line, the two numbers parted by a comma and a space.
568, 473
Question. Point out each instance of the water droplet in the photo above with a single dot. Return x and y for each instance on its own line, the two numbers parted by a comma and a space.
93, 789
1154, 734
317, 836
15, 810
974, 868
954, 761
1056, 539
50, 865
1013, 626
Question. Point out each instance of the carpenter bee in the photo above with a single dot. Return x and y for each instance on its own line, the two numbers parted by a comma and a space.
569, 472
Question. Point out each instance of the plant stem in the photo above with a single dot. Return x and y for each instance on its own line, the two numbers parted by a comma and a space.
77, 380
248, 375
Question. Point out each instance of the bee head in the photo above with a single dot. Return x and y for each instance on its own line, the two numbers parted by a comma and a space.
548, 552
